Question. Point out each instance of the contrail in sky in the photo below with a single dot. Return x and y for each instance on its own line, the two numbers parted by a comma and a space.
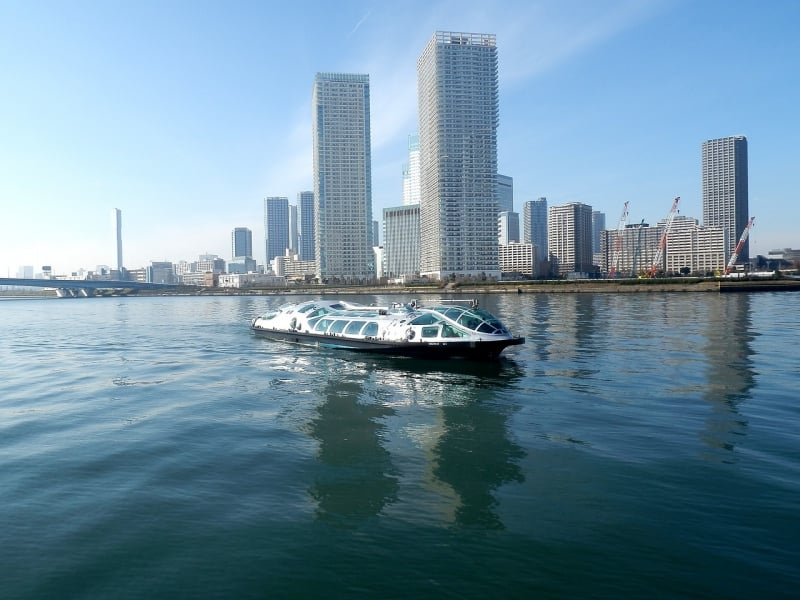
360, 23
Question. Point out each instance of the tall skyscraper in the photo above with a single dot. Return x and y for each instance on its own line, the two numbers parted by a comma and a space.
241, 243
276, 226
305, 219
534, 225
505, 193
598, 226
725, 190
411, 184
570, 237
458, 118
342, 176
116, 216
293, 229
376, 233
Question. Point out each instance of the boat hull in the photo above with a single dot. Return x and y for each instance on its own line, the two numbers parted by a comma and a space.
429, 350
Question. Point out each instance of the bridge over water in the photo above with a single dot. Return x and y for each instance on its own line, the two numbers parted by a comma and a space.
83, 288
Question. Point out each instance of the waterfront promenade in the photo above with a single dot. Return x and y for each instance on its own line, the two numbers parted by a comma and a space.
619, 286
537, 287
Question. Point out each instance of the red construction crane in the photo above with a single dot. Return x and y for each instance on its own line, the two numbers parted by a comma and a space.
739, 246
623, 220
662, 244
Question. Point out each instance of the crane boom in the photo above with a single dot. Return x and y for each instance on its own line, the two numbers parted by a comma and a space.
662, 244
623, 220
739, 246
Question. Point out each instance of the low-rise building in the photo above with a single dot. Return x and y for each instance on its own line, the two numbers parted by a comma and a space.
517, 258
242, 280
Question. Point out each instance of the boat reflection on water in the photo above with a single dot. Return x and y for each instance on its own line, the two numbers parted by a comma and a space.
355, 477
420, 440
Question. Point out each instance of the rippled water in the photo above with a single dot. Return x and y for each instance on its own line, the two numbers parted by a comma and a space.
638, 445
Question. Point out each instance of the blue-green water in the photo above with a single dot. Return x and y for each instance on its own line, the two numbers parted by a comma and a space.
638, 445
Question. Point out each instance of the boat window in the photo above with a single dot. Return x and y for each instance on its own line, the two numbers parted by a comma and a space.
453, 313
431, 331
450, 331
498, 325
425, 319
312, 323
269, 315
370, 329
469, 321
318, 312
486, 328
482, 314
353, 327
338, 326
323, 324
305, 309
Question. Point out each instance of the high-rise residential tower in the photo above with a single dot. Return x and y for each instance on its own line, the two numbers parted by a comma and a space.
458, 118
725, 190
276, 226
570, 237
342, 177
401, 241
305, 219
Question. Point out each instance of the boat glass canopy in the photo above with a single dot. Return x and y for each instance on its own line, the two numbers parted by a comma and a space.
473, 318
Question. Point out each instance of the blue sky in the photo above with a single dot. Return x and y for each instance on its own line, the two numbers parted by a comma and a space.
186, 114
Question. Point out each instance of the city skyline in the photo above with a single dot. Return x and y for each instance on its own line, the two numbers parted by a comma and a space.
600, 103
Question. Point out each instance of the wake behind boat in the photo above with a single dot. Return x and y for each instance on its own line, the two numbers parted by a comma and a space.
439, 331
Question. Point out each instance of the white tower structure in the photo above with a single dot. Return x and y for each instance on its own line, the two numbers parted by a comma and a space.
116, 216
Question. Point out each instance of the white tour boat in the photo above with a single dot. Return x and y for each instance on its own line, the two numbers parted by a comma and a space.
445, 330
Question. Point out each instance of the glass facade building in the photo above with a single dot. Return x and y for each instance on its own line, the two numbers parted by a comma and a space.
293, 229
342, 177
505, 193
411, 189
534, 224
305, 219
508, 228
241, 243
276, 226
458, 118
598, 226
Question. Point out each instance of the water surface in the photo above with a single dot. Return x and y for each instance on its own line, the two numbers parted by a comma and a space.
638, 445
